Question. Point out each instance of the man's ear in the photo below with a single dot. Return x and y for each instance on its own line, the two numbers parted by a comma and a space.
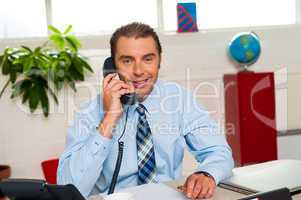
160, 61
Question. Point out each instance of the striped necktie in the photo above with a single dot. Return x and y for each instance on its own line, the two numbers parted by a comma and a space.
145, 149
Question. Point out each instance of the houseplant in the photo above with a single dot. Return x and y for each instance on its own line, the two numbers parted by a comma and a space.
35, 74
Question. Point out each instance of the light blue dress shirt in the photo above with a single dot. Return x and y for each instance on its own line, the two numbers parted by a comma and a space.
176, 121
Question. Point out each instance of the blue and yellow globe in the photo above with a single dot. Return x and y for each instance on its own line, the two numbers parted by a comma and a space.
244, 48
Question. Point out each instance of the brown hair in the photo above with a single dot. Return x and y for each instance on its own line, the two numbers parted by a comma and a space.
137, 30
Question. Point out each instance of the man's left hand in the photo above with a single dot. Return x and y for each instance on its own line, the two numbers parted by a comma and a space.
199, 186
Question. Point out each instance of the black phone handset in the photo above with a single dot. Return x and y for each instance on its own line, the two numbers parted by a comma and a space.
127, 99
110, 67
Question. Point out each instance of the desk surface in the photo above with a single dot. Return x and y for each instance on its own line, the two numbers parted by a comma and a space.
220, 193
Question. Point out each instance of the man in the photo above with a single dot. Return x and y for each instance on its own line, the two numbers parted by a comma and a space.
165, 118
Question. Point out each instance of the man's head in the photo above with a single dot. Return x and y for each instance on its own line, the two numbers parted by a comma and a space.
136, 51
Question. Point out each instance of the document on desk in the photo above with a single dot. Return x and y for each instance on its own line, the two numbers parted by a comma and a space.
155, 191
266, 176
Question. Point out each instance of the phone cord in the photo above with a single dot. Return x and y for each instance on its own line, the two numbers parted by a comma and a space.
119, 157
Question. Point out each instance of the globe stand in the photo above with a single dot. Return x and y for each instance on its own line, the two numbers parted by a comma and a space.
244, 69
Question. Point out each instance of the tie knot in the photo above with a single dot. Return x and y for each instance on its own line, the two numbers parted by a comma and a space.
141, 109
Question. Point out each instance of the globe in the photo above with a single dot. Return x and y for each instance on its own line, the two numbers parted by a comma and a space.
244, 48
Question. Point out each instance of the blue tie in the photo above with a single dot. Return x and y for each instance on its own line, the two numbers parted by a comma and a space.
145, 149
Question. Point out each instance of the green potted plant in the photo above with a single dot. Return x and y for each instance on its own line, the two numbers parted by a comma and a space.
35, 74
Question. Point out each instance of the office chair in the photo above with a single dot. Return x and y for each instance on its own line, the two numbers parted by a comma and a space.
49, 168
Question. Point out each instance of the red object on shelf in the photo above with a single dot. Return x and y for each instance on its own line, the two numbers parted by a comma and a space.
250, 117
49, 168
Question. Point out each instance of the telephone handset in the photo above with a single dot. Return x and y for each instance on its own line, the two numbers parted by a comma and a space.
127, 99
110, 67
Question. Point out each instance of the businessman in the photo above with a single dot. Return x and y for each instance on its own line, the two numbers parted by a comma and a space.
165, 119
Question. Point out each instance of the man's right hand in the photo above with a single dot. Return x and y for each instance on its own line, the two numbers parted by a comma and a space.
112, 90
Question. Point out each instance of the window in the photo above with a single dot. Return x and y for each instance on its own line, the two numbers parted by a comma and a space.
234, 13
22, 18
95, 16
27, 18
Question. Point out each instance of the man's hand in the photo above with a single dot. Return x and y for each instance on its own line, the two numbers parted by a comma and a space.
112, 90
199, 186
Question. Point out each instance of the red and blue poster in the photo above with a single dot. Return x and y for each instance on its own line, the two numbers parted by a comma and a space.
187, 17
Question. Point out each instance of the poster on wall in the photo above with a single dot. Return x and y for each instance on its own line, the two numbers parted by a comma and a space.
187, 20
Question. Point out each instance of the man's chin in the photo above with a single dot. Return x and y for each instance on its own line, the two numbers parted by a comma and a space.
142, 94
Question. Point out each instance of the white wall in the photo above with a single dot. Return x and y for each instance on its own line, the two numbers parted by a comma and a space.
197, 59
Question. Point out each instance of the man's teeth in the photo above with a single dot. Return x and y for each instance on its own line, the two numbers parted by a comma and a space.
140, 81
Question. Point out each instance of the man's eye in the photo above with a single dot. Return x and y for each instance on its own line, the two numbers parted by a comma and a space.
126, 61
149, 59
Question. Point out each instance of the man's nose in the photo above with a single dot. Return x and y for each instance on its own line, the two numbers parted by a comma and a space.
138, 69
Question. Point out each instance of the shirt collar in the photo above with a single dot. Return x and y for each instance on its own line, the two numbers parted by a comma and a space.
151, 102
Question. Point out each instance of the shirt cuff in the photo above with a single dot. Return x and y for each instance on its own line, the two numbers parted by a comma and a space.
211, 171
98, 142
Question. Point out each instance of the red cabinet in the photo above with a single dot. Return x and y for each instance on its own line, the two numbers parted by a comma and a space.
250, 117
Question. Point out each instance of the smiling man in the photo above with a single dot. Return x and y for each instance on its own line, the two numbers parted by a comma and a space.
165, 119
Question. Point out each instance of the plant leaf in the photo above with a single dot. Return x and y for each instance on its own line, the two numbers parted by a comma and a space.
5, 65
1, 59
58, 40
68, 29
25, 96
85, 64
54, 30
71, 83
44, 101
26, 85
53, 95
34, 97
13, 76
65, 60
73, 42
59, 84
75, 75
17, 88
78, 66
37, 50
27, 49
28, 64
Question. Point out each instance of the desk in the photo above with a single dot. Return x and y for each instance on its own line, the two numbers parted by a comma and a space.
222, 194
148, 193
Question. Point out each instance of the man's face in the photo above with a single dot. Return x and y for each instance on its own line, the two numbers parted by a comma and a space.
137, 61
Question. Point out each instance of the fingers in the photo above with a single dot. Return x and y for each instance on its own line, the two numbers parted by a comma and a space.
122, 92
108, 78
199, 186
117, 88
210, 191
115, 84
190, 182
202, 193
132, 88
118, 85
